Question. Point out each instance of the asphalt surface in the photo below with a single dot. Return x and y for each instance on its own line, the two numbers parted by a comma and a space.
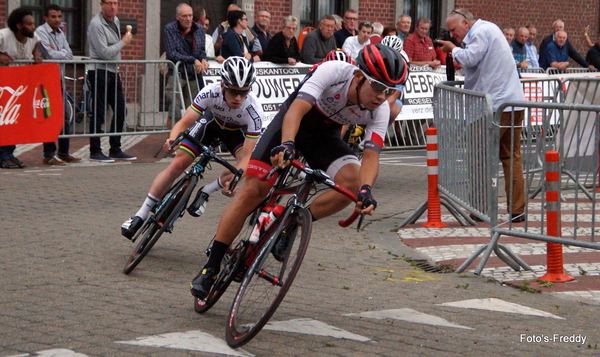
62, 289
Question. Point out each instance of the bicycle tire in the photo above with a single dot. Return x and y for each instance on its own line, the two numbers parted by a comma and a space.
163, 220
229, 268
261, 291
69, 110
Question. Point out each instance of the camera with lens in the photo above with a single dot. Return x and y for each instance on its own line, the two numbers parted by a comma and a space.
444, 36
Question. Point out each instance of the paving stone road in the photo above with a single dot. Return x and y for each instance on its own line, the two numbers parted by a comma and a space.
62, 292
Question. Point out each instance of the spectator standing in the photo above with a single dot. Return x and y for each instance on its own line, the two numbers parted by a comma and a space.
220, 30
234, 42
377, 31
389, 31
532, 54
419, 47
318, 43
556, 52
518, 48
202, 20
104, 38
348, 29
403, 26
17, 41
283, 47
593, 55
54, 46
262, 20
488, 66
559, 25
509, 34
338, 22
185, 43
354, 44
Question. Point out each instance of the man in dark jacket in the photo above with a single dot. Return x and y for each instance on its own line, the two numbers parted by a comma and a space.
559, 25
349, 24
185, 43
318, 43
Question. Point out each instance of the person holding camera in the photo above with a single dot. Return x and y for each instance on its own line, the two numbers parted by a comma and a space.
489, 67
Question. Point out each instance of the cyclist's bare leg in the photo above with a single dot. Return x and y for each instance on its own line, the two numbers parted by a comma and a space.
163, 181
234, 216
331, 201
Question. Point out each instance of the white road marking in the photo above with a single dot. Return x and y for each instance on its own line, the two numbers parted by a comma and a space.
313, 327
56, 352
408, 315
498, 305
191, 340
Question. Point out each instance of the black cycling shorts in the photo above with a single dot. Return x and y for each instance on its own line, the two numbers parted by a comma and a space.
318, 140
207, 131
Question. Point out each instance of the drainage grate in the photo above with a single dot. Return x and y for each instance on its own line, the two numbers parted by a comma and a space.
428, 267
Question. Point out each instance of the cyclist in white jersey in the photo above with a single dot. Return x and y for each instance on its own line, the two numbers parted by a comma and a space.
333, 94
225, 110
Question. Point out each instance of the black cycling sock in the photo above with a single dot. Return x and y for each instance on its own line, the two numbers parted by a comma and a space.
217, 252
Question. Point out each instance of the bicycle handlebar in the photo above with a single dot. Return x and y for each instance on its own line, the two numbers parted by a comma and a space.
320, 177
211, 154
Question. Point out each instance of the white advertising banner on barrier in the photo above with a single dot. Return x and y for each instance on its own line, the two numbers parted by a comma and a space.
274, 83
418, 92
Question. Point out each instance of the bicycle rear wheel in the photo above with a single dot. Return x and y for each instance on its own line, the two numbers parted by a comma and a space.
230, 266
170, 209
268, 279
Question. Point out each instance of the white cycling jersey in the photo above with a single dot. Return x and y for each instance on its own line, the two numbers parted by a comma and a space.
249, 114
328, 86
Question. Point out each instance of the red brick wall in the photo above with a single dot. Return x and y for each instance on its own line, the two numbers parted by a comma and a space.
135, 9
3, 13
368, 10
377, 11
278, 10
513, 13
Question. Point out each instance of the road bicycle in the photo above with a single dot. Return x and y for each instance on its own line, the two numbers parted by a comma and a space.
266, 268
78, 111
174, 204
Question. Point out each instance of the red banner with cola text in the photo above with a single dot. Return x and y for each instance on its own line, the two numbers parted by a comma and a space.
31, 104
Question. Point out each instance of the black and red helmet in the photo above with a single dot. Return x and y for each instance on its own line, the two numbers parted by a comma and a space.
383, 63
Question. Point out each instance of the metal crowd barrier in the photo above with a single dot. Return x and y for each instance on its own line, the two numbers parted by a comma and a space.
532, 70
467, 149
143, 88
552, 70
469, 169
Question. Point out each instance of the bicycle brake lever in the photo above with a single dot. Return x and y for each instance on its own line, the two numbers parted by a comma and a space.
360, 220
235, 180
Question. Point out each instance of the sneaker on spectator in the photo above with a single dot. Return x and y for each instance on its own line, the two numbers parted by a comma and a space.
121, 156
100, 157
54, 160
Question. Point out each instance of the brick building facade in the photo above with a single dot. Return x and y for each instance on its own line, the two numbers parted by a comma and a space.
576, 14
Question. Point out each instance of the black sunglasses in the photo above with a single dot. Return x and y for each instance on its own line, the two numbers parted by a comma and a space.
236, 92
458, 13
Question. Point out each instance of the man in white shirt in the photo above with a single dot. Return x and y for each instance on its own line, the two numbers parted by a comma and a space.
354, 44
17, 41
489, 67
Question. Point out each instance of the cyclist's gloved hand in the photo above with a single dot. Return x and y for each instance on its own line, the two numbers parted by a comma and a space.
366, 198
283, 153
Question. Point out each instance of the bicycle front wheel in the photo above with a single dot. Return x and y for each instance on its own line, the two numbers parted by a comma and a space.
169, 210
269, 277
